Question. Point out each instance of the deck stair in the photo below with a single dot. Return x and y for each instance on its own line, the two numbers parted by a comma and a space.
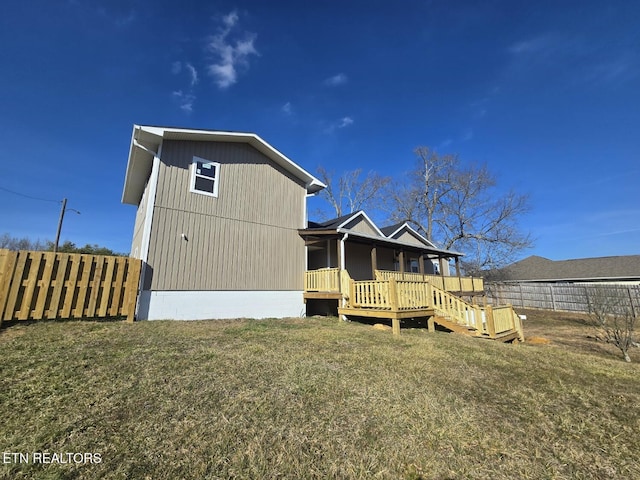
455, 327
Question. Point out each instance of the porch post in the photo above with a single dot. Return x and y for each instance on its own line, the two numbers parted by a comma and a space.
374, 262
421, 265
401, 261
342, 265
441, 264
458, 272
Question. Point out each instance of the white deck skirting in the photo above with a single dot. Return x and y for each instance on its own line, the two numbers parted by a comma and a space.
203, 305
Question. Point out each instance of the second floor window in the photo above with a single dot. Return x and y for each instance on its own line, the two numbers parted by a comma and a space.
205, 176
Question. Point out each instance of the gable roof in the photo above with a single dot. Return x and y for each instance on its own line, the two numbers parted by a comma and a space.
146, 140
535, 268
394, 231
386, 235
342, 222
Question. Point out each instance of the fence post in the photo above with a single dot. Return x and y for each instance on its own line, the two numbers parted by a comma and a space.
586, 294
521, 296
633, 310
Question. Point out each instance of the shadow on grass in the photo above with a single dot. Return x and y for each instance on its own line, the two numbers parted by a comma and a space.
12, 323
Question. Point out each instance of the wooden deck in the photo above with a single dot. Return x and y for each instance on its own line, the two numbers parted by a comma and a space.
418, 296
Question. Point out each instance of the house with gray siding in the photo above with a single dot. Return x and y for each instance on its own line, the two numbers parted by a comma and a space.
218, 215
221, 227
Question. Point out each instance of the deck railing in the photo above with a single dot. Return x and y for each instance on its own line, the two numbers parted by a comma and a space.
322, 280
505, 319
370, 294
448, 283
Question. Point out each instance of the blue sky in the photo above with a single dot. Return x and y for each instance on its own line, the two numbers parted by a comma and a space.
546, 93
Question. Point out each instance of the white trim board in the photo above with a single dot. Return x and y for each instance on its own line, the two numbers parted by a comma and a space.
204, 305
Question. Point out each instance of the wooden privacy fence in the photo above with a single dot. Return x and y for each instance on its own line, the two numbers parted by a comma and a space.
563, 297
47, 285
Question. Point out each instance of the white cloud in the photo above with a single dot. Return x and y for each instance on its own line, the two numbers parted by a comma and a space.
341, 123
286, 108
336, 80
230, 19
345, 122
230, 54
193, 73
185, 100
467, 135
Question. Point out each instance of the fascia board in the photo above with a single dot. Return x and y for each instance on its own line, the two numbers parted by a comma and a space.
140, 162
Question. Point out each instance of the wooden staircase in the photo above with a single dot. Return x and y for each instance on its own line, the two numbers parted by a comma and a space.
459, 316
455, 327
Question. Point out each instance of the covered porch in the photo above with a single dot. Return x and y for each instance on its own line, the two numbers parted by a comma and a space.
353, 244
355, 269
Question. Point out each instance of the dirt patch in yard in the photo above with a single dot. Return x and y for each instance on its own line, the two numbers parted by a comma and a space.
571, 331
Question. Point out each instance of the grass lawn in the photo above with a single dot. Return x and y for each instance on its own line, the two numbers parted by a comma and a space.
315, 398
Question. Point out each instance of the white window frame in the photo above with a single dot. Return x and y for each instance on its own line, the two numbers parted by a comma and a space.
194, 175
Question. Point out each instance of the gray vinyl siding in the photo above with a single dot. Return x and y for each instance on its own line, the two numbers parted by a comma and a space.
138, 229
358, 260
360, 225
408, 238
385, 258
245, 239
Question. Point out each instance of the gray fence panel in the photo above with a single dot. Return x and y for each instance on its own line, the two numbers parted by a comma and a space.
563, 297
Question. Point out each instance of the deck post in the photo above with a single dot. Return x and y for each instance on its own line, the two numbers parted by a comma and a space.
395, 325
393, 303
431, 324
393, 294
491, 325
401, 262
352, 294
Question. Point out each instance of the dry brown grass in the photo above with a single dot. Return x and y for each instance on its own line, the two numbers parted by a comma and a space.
573, 332
313, 398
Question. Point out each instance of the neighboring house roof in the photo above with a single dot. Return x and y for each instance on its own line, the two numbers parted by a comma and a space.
535, 268
347, 224
146, 140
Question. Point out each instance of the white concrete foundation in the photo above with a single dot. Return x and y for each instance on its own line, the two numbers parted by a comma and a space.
203, 305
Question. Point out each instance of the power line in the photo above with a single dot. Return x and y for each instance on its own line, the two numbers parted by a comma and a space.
29, 196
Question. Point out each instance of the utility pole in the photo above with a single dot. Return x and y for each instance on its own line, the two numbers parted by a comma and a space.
64, 208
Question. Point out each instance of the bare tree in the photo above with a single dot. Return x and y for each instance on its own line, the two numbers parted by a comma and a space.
14, 243
349, 193
614, 317
459, 207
